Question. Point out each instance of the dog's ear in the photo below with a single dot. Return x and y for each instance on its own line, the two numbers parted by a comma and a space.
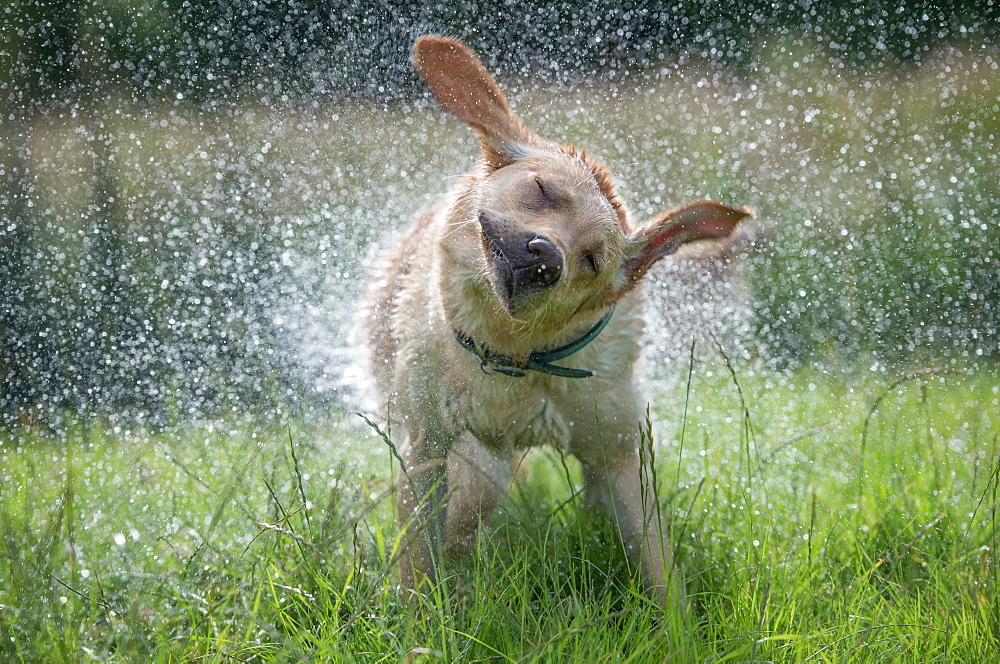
663, 234
466, 90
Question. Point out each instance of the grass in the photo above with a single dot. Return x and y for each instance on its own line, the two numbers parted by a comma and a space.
816, 518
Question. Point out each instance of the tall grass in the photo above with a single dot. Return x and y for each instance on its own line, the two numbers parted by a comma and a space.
811, 524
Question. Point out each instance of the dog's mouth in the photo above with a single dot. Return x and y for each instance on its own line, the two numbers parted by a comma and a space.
523, 263
503, 273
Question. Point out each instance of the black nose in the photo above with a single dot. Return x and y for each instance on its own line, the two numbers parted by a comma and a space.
546, 263
542, 247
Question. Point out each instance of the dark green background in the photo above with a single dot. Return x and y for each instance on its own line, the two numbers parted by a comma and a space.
207, 49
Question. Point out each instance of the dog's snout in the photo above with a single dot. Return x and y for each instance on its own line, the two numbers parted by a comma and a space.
490, 226
523, 262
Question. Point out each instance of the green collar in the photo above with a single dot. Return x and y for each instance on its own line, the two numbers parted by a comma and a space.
539, 361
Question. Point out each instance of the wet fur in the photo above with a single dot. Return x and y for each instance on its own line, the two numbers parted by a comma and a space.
462, 424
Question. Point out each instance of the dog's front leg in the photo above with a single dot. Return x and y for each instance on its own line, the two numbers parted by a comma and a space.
479, 480
622, 484
420, 508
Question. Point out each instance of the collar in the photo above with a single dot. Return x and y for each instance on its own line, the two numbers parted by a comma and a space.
540, 361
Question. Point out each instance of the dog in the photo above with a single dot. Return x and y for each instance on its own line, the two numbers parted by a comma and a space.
510, 316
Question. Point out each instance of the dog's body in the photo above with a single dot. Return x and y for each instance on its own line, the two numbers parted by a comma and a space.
529, 253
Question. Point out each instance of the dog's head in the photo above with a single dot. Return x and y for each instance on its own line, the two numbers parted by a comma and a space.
554, 238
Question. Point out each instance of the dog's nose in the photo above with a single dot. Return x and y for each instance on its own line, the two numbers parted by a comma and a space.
542, 247
523, 262
546, 266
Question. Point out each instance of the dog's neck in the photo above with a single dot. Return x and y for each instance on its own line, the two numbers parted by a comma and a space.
540, 361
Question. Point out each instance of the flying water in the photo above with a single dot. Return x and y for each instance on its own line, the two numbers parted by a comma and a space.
193, 196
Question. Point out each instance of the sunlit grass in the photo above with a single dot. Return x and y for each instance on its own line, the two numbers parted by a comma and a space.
271, 540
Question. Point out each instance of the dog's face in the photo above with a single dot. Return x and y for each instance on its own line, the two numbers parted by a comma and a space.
551, 240
553, 236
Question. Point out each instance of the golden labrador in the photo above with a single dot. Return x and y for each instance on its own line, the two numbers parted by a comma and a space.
510, 316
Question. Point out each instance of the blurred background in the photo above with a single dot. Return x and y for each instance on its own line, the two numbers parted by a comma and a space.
191, 193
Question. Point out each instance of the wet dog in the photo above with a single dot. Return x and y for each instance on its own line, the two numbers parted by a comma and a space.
510, 316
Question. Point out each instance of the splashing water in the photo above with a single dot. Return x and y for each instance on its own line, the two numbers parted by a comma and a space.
193, 195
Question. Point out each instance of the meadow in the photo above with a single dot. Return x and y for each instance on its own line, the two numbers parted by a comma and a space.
816, 519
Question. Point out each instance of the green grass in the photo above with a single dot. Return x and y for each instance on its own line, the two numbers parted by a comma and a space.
809, 527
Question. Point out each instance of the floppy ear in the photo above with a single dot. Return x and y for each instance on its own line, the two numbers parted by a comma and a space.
466, 90
662, 235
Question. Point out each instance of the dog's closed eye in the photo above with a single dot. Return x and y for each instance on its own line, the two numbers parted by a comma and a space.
550, 194
592, 262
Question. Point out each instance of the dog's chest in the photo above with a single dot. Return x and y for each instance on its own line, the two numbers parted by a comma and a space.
508, 417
